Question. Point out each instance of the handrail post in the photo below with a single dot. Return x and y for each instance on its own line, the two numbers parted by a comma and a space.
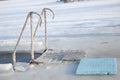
14, 53
32, 38
45, 21
46, 35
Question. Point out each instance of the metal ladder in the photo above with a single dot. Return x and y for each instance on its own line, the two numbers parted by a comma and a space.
33, 33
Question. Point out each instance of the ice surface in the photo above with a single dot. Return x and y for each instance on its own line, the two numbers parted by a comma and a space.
6, 68
80, 18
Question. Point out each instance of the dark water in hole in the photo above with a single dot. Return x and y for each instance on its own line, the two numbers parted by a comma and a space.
21, 57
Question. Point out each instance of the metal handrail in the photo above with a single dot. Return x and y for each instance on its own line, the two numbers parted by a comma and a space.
45, 21
29, 16
33, 34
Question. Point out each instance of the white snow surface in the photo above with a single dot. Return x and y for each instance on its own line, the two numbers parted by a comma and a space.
97, 17
93, 26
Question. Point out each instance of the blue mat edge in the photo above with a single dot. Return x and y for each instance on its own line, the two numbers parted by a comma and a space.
113, 73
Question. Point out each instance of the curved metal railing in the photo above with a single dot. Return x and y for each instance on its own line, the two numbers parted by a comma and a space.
33, 33
45, 22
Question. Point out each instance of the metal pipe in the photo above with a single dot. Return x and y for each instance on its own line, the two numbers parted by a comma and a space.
33, 33
32, 38
14, 53
45, 21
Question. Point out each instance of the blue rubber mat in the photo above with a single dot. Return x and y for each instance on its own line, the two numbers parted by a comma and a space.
93, 66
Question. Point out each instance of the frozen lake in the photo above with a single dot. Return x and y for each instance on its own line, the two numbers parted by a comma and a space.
82, 21
91, 26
